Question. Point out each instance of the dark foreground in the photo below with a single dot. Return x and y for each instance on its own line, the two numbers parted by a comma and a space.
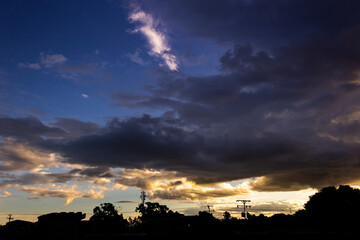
318, 220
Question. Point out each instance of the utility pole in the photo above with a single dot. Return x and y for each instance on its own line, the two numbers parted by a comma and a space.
244, 202
10, 217
143, 197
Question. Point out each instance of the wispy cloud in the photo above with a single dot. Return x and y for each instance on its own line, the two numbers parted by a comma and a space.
35, 66
84, 95
68, 192
49, 60
126, 202
156, 37
45, 60
6, 194
136, 58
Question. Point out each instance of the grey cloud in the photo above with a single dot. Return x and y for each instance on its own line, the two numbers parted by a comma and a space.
76, 72
49, 60
128, 142
257, 21
126, 202
28, 127
76, 128
33, 179
288, 115
96, 172
35, 66
16, 155
193, 194
166, 143
268, 114
150, 143
36, 178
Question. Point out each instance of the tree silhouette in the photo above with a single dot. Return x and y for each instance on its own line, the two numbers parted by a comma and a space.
151, 210
227, 216
333, 207
206, 216
107, 218
106, 211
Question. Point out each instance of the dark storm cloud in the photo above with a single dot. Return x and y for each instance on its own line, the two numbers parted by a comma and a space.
151, 143
164, 143
28, 127
289, 114
76, 128
94, 172
36, 178
256, 21
296, 80
135, 143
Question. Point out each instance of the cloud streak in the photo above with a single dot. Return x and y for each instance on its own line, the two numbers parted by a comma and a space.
49, 60
68, 192
35, 66
156, 37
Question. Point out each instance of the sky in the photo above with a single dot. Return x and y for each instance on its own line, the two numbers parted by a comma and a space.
196, 102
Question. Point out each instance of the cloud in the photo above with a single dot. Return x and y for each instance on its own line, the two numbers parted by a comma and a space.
286, 117
126, 202
7, 194
169, 185
84, 95
68, 192
155, 35
58, 62
17, 156
286, 114
49, 60
75, 72
75, 128
26, 128
35, 66
194, 192
136, 58
244, 21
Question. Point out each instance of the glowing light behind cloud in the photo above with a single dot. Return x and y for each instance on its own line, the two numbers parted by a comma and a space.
155, 36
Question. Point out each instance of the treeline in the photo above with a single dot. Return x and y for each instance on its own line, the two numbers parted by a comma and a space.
330, 213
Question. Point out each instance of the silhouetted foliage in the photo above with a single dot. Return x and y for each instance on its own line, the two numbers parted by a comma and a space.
330, 213
105, 212
106, 216
154, 210
227, 216
333, 207
205, 215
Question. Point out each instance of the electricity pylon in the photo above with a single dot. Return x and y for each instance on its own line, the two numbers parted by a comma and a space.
244, 213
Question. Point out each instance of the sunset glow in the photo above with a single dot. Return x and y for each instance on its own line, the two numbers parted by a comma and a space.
198, 103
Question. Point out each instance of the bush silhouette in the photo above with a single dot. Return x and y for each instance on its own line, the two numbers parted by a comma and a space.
106, 217
334, 207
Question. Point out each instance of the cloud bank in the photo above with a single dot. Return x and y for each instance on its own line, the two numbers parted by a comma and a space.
277, 115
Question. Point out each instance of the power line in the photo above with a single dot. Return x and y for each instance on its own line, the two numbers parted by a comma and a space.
10, 217
244, 213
